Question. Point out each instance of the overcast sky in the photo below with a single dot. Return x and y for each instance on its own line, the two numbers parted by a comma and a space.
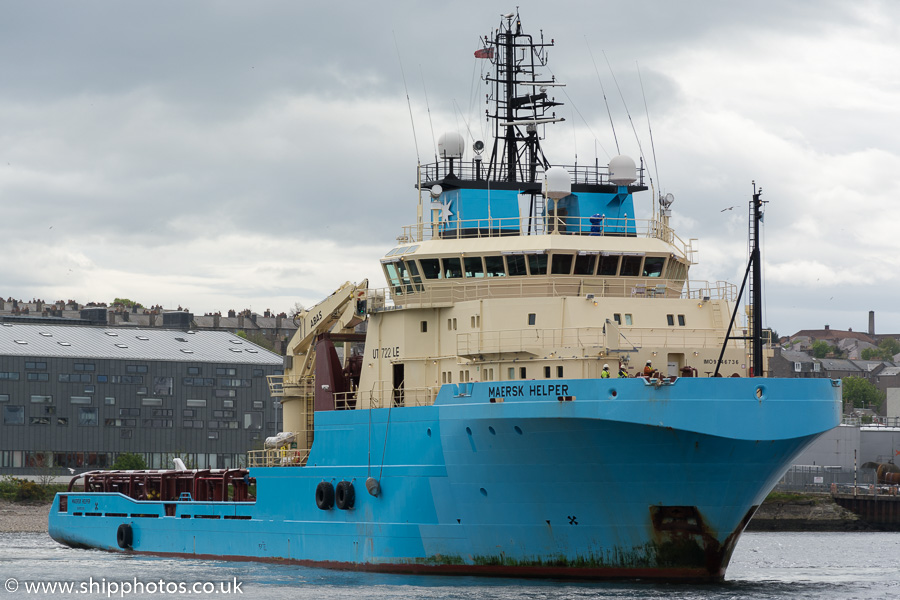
239, 155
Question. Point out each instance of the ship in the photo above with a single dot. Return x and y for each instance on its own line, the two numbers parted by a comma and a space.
540, 390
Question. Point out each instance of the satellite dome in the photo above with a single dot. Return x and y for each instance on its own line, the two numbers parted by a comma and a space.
622, 170
451, 145
557, 183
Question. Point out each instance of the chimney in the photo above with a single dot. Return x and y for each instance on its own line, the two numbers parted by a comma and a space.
871, 322
240, 321
216, 318
827, 328
277, 323
111, 320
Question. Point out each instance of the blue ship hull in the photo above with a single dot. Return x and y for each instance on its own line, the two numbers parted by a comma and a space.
593, 479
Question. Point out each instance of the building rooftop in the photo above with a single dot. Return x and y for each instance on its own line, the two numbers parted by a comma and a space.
79, 341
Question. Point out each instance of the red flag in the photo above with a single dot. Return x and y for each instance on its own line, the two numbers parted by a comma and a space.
485, 53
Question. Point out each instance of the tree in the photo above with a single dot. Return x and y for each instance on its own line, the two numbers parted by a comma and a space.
884, 351
860, 393
296, 309
820, 348
127, 303
257, 338
129, 462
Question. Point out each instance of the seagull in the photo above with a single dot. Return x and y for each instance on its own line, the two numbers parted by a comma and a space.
71, 470
724, 209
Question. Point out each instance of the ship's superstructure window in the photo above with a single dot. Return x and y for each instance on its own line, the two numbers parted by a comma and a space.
532, 318
511, 373
515, 265
423, 326
546, 372
617, 318
631, 266
585, 263
562, 264
452, 268
493, 266
537, 263
474, 266
609, 266
628, 319
653, 266
559, 371
431, 268
670, 320
681, 320
451, 324
523, 373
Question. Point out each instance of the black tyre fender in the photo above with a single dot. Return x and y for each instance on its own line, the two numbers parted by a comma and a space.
325, 495
345, 495
124, 536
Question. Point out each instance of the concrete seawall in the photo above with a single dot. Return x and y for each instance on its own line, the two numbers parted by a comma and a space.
805, 512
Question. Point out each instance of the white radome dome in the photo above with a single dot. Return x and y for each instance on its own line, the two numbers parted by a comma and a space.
622, 170
451, 145
557, 183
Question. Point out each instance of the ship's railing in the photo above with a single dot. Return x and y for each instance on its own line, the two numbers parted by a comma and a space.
383, 394
277, 457
525, 340
540, 225
444, 292
474, 170
276, 385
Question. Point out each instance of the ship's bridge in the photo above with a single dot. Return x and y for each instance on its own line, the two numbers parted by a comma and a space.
432, 270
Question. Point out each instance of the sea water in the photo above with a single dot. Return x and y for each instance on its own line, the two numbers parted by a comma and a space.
765, 565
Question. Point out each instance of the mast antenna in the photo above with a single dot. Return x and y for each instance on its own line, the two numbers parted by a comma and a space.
408, 103
605, 101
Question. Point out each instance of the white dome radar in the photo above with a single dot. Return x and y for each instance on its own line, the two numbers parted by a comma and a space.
557, 183
622, 170
451, 145
436, 191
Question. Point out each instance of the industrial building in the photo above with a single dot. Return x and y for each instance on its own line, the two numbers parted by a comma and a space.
72, 397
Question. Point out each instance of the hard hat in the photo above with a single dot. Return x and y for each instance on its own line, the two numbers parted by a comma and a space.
605, 366
648, 362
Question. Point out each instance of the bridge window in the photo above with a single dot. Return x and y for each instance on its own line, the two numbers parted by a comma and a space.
681, 320
585, 263
609, 266
537, 263
562, 264
493, 266
474, 266
631, 266
532, 318
452, 268
653, 266
431, 268
515, 265
617, 318
546, 372
670, 319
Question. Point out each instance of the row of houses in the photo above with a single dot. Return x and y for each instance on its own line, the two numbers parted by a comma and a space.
273, 330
